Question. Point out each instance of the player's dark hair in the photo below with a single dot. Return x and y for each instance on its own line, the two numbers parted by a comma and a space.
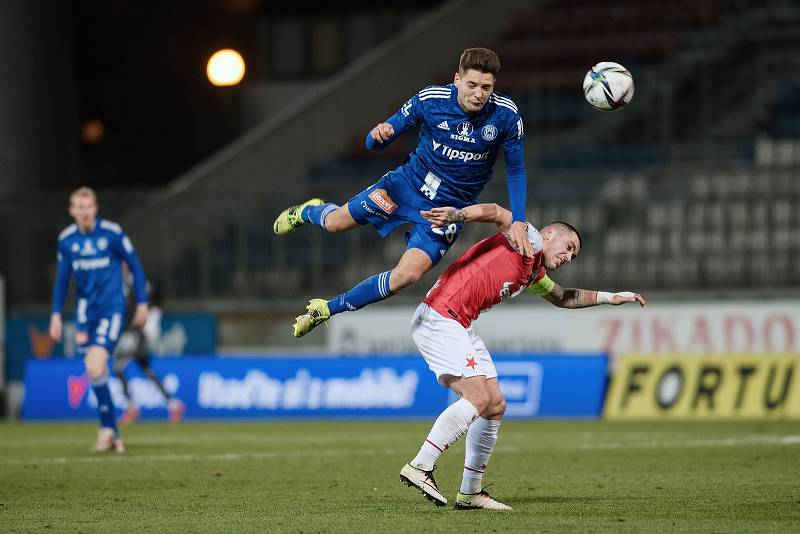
480, 59
567, 226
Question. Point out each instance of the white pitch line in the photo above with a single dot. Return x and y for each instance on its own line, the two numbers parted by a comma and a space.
186, 439
696, 443
222, 456
233, 456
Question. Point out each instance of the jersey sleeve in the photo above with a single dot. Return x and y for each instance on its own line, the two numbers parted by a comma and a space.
516, 177
124, 248
514, 139
63, 275
407, 117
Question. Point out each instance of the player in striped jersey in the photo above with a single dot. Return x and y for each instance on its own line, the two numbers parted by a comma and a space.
489, 272
463, 126
92, 249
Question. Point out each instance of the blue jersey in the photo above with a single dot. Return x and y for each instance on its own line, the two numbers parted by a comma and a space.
94, 258
457, 150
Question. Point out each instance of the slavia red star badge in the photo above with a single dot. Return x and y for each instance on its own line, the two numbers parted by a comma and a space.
471, 363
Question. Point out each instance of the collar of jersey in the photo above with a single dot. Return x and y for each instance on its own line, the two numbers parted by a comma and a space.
534, 238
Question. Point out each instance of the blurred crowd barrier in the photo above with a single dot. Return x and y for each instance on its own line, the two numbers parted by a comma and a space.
723, 386
711, 327
27, 338
701, 360
316, 387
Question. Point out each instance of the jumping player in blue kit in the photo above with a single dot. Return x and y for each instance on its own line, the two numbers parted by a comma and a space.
463, 125
92, 250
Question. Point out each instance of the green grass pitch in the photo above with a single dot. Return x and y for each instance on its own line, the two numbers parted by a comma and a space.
569, 476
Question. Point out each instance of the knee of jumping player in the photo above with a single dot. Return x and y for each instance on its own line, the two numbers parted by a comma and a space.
404, 276
339, 220
414, 263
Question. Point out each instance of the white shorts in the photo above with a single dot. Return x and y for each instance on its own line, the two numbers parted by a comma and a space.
448, 347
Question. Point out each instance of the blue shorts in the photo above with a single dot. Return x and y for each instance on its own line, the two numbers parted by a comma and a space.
103, 332
393, 201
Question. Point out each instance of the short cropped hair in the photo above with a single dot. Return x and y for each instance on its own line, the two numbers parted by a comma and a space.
480, 59
83, 192
565, 226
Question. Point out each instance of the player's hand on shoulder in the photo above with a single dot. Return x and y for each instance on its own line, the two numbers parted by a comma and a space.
382, 132
627, 296
519, 238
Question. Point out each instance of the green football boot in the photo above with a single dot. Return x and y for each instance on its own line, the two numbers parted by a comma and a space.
317, 313
289, 219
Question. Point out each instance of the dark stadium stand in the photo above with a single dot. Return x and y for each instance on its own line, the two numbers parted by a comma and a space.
701, 146
657, 207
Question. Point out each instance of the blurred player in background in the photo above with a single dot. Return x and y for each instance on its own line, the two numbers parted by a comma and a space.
92, 249
489, 272
136, 343
463, 125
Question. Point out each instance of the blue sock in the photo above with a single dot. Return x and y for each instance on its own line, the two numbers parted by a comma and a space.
371, 290
105, 406
316, 214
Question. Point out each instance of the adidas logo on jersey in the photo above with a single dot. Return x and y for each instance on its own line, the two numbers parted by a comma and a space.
443, 125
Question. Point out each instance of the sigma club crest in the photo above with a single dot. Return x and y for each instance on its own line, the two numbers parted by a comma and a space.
465, 129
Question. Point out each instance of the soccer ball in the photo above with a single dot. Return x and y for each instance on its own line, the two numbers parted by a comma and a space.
608, 86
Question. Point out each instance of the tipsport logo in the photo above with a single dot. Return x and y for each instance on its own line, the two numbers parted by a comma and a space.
91, 264
464, 155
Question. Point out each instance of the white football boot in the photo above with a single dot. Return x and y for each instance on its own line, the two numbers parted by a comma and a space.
472, 501
108, 441
424, 482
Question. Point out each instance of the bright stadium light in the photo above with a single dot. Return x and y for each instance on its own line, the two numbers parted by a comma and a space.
225, 68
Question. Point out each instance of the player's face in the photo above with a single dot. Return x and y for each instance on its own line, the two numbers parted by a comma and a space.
474, 88
559, 248
84, 210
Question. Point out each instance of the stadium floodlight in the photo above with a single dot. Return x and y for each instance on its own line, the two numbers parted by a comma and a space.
225, 68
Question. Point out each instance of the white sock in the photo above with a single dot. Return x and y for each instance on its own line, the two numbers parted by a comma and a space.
449, 426
481, 438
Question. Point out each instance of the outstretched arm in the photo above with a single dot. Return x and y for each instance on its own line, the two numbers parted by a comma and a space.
489, 213
580, 298
406, 118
